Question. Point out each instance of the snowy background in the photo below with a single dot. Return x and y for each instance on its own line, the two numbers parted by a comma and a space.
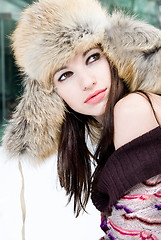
47, 216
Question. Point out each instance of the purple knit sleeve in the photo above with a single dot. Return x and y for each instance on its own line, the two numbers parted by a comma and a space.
129, 165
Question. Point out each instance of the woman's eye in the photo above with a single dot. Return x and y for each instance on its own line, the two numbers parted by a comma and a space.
93, 58
65, 75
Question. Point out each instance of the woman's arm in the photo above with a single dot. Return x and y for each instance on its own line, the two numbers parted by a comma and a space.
133, 116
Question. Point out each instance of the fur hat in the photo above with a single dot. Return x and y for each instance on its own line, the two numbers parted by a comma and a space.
49, 34
135, 49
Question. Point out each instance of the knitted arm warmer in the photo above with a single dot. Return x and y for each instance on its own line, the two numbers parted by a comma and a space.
129, 165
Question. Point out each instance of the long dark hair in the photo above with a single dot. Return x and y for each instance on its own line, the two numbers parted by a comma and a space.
105, 146
74, 157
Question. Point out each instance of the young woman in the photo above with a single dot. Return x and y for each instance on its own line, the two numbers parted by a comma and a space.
92, 74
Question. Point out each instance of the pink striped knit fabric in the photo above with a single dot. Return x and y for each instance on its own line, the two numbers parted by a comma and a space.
137, 215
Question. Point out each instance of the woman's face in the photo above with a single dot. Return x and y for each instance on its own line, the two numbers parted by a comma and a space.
84, 83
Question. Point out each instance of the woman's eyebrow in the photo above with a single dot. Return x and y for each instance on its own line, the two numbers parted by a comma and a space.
60, 69
85, 53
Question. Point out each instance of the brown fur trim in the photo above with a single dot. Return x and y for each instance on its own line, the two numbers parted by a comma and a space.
135, 49
51, 32
35, 126
48, 35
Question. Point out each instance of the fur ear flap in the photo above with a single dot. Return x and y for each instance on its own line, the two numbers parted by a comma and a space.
135, 49
132, 34
35, 126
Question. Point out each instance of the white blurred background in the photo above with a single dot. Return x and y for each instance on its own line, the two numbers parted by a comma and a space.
47, 216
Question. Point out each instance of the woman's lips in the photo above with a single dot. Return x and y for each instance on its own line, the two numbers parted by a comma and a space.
96, 96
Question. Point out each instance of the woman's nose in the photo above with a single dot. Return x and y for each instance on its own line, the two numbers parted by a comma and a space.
88, 80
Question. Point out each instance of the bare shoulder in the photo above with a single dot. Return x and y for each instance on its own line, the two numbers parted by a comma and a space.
133, 116
132, 102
